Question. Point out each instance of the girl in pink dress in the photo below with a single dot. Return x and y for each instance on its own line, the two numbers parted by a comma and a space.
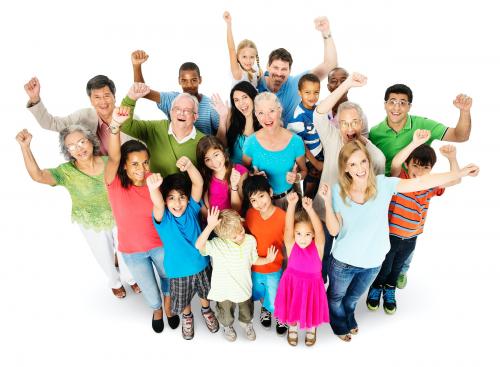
222, 180
301, 296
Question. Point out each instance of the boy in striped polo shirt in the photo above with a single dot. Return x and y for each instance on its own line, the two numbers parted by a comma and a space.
233, 253
407, 214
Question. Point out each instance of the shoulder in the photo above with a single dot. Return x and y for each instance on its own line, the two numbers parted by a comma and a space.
240, 168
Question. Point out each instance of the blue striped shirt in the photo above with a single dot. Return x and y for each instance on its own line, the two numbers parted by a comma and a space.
302, 125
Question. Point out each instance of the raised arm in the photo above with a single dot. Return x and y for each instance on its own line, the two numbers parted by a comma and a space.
450, 152
354, 80
289, 236
212, 221
461, 131
223, 110
332, 221
138, 58
135, 128
330, 52
429, 181
419, 138
236, 190
319, 234
271, 255
233, 60
185, 165
154, 182
120, 114
37, 174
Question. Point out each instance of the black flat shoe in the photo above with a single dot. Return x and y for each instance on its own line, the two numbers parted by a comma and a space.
173, 321
157, 325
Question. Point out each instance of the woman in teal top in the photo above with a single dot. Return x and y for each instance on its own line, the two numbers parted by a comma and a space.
83, 177
275, 151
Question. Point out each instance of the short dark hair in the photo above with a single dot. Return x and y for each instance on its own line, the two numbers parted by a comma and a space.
98, 82
423, 155
399, 89
179, 182
280, 54
310, 77
189, 66
128, 147
254, 184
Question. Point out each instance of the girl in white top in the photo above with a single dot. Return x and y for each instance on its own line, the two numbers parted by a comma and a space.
243, 58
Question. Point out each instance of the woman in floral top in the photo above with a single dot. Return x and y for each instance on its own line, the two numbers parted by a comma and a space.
83, 177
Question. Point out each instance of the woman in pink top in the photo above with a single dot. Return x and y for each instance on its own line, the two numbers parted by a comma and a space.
223, 180
142, 249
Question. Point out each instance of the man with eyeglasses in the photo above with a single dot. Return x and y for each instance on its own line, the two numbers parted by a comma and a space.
167, 141
101, 91
396, 131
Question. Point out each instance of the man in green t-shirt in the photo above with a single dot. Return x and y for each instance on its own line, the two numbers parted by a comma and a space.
396, 131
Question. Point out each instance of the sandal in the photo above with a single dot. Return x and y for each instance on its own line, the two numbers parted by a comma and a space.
354, 331
311, 337
292, 337
345, 337
135, 287
119, 292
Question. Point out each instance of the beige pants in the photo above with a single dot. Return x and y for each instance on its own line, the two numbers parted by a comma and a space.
225, 312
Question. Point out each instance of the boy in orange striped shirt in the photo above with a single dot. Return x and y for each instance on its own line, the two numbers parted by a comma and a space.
407, 214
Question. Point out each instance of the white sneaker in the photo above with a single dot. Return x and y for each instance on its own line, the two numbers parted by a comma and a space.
249, 331
229, 333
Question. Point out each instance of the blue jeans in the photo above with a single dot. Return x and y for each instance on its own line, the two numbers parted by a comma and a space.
325, 262
265, 287
347, 284
140, 265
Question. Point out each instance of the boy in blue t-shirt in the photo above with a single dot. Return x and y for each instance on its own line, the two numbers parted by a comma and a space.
178, 228
302, 125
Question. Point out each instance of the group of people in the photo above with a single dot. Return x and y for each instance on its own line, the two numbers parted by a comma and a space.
266, 200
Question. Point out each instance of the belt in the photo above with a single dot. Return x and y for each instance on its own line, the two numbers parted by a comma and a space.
282, 195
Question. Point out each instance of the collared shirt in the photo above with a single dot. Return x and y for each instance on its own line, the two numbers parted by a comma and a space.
103, 135
192, 135
391, 142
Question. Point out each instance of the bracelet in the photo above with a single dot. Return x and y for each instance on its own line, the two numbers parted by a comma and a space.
329, 35
114, 129
234, 189
299, 176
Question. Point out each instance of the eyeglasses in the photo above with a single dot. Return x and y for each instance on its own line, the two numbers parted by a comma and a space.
79, 144
183, 111
394, 102
349, 124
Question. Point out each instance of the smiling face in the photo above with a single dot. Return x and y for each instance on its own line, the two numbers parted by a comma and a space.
397, 107
416, 170
335, 78
183, 113
261, 201
279, 71
215, 160
268, 113
137, 166
304, 234
238, 235
176, 202
350, 124
358, 166
80, 148
243, 103
103, 101
309, 93
246, 57
189, 81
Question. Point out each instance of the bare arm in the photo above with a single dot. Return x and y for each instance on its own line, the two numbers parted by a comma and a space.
271, 255
236, 186
138, 58
37, 174
354, 80
289, 236
185, 165
461, 131
419, 138
450, 152
212, 221
120, 114
154, 182
332, 221
319, 234
233, 60
330, 52
223, 111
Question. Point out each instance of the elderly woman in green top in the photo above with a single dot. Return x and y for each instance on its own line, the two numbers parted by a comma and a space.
83, 177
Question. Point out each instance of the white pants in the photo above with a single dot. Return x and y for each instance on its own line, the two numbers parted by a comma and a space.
103, 244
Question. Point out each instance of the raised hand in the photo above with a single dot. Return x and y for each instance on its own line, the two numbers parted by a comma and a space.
323, 25
469, 170
219, 105
154, 181
234, 178
356, 80
227, 17
213, 217
23, 137
292, 198
449, 151
421, 136
120, 114
32, 89
184, 163
325, 193
271, 254
138, 90
139, 57
463, 102
307, 203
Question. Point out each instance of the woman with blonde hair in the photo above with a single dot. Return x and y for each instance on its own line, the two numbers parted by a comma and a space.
358, 214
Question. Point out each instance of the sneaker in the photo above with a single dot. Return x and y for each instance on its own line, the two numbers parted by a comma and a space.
281, 329
211, 321
402, 280
373, 298
389, 299
249, 331
187, 327
229, 333
265, 318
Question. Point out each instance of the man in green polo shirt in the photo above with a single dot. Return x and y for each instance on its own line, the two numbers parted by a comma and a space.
167, 141
396, 131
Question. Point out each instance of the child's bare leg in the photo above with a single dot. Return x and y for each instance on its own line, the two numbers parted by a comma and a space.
204, 303
167, 307
187, 310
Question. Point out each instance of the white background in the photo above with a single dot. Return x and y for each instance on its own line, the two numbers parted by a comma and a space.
55, 308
